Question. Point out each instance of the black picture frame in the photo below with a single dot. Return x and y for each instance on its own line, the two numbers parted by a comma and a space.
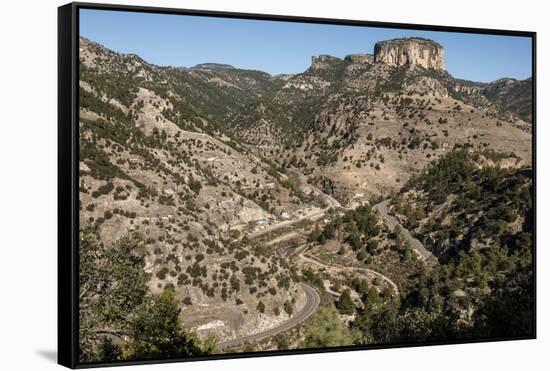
68, 174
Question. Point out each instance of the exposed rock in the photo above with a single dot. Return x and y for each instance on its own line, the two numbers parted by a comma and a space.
213, 66
467, 89
410, 52
360, 58
323, 61
500, 85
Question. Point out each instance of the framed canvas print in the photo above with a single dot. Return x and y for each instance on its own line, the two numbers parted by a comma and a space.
236, 185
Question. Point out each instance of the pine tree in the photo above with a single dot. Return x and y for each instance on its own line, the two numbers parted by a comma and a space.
345, 304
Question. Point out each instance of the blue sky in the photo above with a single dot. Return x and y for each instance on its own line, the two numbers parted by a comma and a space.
286, 47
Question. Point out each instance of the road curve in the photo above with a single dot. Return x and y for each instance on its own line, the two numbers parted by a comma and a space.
417, 246
312, 303
384, 278
312, 296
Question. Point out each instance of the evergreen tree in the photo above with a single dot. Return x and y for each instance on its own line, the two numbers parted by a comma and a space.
157, 332
326, 330
345, 304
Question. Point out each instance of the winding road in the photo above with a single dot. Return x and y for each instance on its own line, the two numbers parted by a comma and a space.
338, 268
312, 303
312, 296
416, 245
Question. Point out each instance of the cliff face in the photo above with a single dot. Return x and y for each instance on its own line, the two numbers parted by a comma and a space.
410, 51
360, 58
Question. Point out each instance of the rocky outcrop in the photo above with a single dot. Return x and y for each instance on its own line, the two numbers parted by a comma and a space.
213, 66
323, 61
467, 89
410, 52
501, 87
360, 58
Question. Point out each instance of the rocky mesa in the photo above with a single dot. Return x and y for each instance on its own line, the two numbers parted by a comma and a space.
410, 52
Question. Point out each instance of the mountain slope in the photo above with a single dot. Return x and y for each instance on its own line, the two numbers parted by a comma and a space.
149, 163
213, 165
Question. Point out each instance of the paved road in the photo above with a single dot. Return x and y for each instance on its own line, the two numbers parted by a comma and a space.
312, 303
312, 296
416, 245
